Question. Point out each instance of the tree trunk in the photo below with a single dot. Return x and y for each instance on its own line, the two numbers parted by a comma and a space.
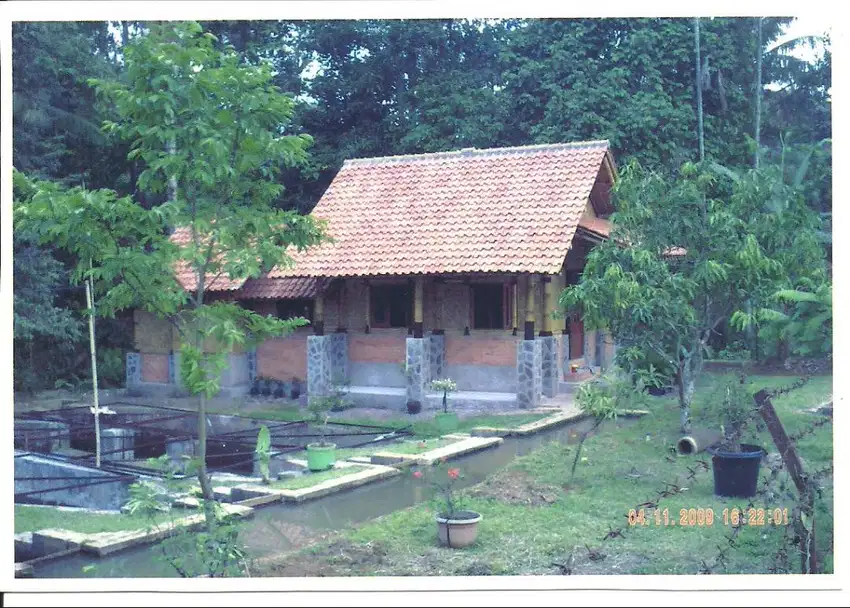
201, 452
758, 93
685, 381
699, 92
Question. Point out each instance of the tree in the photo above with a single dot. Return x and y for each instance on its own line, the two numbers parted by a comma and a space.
685, 254
213, 131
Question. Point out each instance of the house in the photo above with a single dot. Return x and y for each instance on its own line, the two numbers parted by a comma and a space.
442, 265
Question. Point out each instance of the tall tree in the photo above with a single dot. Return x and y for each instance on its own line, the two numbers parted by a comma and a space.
663, 287
698, 81
227, 124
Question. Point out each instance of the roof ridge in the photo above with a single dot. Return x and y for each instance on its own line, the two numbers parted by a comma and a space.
466, 152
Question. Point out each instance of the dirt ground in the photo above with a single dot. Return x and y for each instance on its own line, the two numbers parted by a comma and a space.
516, 488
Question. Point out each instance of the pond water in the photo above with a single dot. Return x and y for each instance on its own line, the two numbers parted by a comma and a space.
281, 527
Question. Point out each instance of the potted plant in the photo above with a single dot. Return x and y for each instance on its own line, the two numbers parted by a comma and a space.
735, 463
456, 527
321, 455
446, 420
414, 407
265, 386
279, 389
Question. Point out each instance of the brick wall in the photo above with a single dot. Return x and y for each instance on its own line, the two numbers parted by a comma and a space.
480, 350
377, 347
283, 358
155, 368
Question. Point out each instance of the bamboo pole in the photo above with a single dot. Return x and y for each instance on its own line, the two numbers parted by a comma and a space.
93, 351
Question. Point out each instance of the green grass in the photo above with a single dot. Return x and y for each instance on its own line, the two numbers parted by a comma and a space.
624, 466
419, 446
312, 479
419, 428
30, 519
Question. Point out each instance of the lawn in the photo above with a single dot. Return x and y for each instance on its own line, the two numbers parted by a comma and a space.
419, 446
312, 479
419, 427
536, 516
30, 519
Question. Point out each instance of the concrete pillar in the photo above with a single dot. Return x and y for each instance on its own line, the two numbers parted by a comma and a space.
529, 385
437, 356
339, 357
133, 369
565, 353
122, 440
549, 366
319, 368
418, 369
177, 448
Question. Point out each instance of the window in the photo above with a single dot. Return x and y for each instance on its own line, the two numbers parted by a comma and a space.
302, 307
491, 306
390, 305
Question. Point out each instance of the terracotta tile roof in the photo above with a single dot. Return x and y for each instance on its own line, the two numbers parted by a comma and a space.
280, 288
496, 210
188, 280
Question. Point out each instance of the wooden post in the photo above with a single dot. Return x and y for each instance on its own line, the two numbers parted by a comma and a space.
547, 307
804, 486
368, 306
319, 314
418, 296
515, 304
340, 324
529, 307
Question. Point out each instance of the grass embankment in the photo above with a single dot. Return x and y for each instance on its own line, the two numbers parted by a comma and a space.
536, 516
31, 519
311, 479
424, 428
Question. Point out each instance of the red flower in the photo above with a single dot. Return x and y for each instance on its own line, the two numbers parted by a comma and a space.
417, 474
453, 473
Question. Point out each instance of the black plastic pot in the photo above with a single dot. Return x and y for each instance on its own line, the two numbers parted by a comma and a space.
657, 391
736, 474
414, 407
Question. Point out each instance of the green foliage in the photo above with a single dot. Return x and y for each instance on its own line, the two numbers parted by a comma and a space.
320, 408
734, 351
446, 386
732, 409
216, 551
685, 254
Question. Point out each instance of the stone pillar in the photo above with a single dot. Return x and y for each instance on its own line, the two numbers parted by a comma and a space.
319, 374
565, 353
418, 369
437, 356
117, 444
339, 357
549, 366
538, 367
133, 369
528, 362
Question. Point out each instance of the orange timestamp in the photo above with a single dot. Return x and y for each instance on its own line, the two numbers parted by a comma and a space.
703, 517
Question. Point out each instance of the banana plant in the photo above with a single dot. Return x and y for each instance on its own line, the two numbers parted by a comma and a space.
263, 451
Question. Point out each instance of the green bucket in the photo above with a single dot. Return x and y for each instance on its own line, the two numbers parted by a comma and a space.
446, 422
320, 457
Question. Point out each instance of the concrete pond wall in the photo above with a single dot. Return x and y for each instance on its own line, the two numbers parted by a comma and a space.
110, 491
